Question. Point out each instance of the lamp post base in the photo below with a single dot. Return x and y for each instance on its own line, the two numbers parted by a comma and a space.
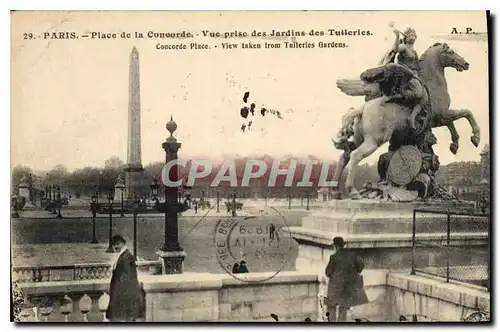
110, 249
172, 261
94, 241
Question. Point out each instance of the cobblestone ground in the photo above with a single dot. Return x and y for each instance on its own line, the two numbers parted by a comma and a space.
195, 233
60, 253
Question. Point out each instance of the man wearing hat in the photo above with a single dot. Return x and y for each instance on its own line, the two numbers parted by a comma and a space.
125, 295
345, 285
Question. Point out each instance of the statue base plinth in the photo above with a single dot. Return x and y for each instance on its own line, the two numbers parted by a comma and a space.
173, 261
374, 216
381, 235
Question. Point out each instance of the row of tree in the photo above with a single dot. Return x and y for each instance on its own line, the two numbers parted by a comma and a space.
85, 181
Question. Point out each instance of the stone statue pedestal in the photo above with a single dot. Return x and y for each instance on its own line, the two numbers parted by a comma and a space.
381, 235
173, 261
24, 191
119, 191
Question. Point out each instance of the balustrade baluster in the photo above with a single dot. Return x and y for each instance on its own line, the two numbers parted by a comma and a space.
66, 307
95, 314
45, 309
103, 305
85, 306
75, 311
27, 315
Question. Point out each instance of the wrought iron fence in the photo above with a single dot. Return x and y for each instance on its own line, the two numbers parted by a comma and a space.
453, 245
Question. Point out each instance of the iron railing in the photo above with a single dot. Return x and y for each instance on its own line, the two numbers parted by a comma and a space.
453, 245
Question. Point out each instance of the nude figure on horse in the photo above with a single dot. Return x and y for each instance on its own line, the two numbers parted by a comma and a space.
387, 112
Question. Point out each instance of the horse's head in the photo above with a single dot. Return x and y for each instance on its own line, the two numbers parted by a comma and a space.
447, 57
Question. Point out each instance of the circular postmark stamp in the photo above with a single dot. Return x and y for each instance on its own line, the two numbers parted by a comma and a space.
254, 242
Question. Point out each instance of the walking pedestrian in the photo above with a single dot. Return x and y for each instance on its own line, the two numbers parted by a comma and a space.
345, 285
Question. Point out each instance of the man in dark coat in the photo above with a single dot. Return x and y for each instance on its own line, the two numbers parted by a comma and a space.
125, 294
345, 285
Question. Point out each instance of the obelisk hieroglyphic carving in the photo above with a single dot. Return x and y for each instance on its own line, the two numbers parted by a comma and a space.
134, 165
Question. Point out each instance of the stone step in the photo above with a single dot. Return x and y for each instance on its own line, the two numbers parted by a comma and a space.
373, 223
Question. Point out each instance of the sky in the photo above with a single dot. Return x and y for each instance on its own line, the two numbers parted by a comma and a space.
69, 98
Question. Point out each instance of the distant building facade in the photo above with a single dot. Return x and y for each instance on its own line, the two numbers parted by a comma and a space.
466, 178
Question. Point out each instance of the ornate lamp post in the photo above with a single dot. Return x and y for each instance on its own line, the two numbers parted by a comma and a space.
93, 208
171, 251
120, 185
233, 205
97, 191
218, 199
110, 230
483, 204
154, 188
135, 210
54, 202
59, 202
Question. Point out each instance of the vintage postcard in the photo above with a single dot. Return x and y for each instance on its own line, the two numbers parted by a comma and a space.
259, 166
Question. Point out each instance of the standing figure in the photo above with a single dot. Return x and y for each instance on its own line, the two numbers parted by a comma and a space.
345, 285
403, 51
125, 295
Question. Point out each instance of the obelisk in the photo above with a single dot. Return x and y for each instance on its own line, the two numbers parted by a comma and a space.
134, 169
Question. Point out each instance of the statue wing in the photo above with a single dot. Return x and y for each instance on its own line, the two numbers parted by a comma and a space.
352, 87
389, 57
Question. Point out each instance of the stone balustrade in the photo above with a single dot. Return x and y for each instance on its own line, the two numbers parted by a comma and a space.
86, 271
292, 296
64, 301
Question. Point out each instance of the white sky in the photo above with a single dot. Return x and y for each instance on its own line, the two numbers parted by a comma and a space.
70, 97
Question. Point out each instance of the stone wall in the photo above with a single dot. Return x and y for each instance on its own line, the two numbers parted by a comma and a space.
433, 299
292, 296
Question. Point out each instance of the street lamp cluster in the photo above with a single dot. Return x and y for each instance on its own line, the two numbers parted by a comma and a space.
53, 199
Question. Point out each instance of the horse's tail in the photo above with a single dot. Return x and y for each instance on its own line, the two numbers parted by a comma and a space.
349, 122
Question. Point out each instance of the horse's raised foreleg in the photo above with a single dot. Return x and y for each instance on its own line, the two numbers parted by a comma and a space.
364, 150
454, 137
454, 115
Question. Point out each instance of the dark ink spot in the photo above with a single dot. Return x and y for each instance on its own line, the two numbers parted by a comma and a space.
244, 112
263, 111
252, 108
243, 128
245, 96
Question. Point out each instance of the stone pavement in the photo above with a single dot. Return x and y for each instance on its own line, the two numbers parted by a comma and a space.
59, 254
